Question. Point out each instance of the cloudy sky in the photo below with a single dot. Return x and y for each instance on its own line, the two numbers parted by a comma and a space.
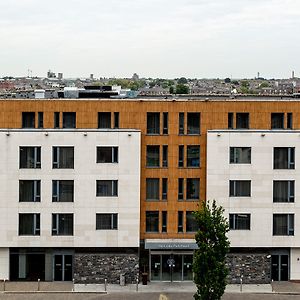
154, 38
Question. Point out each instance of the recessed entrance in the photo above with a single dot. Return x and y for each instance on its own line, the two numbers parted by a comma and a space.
280, 267
63, 267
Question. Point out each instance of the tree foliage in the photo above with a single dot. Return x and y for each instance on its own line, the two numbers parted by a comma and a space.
209, 265
182, 89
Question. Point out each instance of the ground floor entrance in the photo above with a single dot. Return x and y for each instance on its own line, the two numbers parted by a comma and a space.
280, 267
171, 266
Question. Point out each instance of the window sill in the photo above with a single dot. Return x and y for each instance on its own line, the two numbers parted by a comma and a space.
189, 134
150, 167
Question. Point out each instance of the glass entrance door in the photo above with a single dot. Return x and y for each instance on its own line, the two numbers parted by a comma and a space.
63, 267
280, 267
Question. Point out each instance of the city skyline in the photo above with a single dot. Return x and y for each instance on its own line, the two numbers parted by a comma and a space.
195, 39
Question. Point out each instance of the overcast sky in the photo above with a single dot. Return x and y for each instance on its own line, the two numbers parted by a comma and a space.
154, 38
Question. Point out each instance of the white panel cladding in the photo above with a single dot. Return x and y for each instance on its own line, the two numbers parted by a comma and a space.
85, 173
261, 173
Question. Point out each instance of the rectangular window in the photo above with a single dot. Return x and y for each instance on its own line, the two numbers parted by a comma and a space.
283, 191
230, 120
106, 221
165, 156
164, 195
277, 120
239, 221
180, 188
104, 120
284, 158
242, 120
29, 224
69, 119
152, 189
180, 221
164, 221
29, 191
153, 123
116, 120
192, 188
62, 224
165, 123
152, 156
107, 154
239, 188
283, 224
193, 123
28, 119
30, 157
152, 221
56, 119
63, 190
63, 157
240, 155
181, 123
107, 188
193, 156
191, 223
289, 121
180, 156
40, 119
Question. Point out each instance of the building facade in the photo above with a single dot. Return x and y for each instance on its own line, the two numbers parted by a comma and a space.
175, 171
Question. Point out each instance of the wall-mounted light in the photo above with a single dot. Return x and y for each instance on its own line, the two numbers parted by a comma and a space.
7, 133
218, 134
129, 134
85, 133
46, 133
263, 134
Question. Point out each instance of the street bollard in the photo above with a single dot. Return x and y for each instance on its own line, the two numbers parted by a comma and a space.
241, 284
4, 285
105, 284
73, 288
272, 281
38, 285
137, 285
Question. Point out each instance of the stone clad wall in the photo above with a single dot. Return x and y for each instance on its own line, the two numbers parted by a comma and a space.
255, 268
94, 268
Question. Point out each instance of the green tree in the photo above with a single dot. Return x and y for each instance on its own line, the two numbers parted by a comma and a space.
171, 90
182, 80
209, 264
182, 89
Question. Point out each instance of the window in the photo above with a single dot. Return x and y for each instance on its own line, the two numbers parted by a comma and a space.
191, 223
180, 156
193, 156
180, 188
277, 120
192, 188
230, 120
63, 157
40, 119
69, 119
239, 221
283, 191
181, 123
116, 120
106, 221
289, 123
62, 224
283, 224
104, 120
240, 155
107, 188
28, 120
29, 224
284, 158
152, 221
152, 156
107, 154
242, 120
165, 123
63, 191
30, 157
239, 188
193, 123
180, 221
152, 189
164, 195
29, 190
56, 119
165, 156
164, 222
153, 123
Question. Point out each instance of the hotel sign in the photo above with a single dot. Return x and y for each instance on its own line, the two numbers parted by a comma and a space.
170, 246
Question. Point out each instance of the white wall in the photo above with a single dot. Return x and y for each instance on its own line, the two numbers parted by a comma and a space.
85, 173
